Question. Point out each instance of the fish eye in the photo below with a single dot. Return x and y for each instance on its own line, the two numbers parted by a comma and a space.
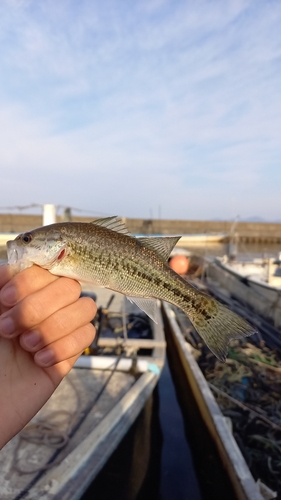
26, 238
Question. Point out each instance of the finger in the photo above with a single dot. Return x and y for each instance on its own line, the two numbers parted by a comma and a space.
24, 283
37, 307
60, 324
6, 274
60, 370
66, 347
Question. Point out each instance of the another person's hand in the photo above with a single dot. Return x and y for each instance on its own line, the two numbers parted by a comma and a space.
44, 327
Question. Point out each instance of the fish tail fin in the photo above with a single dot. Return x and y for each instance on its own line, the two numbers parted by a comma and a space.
220, 327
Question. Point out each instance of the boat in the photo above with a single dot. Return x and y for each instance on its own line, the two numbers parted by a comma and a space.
256, 282
202, 239
193, 238
186, 349
218, 404
61, 451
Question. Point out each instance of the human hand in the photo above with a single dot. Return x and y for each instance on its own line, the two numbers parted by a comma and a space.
44, 327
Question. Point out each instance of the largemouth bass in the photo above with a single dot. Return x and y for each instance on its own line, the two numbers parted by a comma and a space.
104, 253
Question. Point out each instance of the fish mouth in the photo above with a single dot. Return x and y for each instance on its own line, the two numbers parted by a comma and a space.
13, 253
16, 257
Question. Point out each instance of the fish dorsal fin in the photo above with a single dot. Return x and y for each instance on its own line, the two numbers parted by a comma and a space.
114, 223
162, 245
146, 305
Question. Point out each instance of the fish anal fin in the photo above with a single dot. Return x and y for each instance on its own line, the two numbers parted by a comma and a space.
162, 245
114, 223
146, 305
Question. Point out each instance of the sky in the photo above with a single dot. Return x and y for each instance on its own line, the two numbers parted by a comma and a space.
152, 108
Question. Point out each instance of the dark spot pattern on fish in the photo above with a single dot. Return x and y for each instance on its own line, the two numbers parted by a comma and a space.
98, 254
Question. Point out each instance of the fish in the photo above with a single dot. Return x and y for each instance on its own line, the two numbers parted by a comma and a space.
104, 253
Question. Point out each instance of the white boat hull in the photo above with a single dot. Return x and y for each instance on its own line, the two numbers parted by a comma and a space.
262, 298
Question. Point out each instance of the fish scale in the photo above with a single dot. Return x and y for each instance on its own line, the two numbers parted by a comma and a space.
105, 254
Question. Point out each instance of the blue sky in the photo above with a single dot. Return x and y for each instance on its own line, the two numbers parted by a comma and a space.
142, 108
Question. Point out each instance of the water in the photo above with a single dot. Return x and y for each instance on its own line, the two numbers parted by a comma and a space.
165, 464
166, 455
178, 476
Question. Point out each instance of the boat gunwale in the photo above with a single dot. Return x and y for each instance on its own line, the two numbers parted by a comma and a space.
231, 456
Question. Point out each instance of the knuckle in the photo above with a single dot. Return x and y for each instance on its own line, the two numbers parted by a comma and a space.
33, 277
30, 312
71, 287
74, 343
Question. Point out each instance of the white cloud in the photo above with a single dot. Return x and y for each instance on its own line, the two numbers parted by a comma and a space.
158, 103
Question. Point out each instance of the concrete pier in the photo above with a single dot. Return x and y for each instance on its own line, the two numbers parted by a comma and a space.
249, 232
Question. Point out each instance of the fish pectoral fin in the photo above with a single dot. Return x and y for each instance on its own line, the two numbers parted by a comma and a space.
114, 223
146, 305
162, 245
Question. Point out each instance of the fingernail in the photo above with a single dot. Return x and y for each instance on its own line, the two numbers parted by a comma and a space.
31, 339
7, 326
8, 295
44, 358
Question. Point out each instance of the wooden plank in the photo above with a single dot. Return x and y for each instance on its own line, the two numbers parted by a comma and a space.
239, 473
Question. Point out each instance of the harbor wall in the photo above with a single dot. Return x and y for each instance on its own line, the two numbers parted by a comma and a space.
248, 231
